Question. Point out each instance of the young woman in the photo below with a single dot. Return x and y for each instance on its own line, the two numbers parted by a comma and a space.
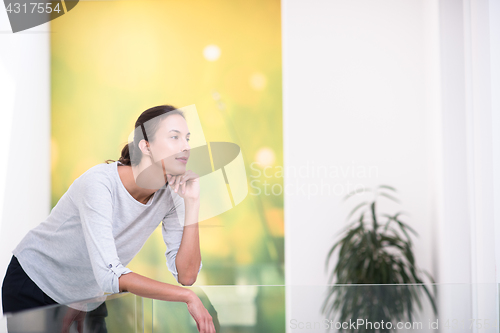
80, 251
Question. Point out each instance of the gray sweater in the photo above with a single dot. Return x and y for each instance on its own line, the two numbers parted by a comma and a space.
93, 232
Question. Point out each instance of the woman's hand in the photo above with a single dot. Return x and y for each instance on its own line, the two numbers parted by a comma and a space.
200, 314
187, 185
145, 287
71, 316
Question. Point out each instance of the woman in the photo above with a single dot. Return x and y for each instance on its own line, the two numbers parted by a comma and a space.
80, 251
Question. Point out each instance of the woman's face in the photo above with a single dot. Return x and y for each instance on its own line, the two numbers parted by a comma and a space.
171, 145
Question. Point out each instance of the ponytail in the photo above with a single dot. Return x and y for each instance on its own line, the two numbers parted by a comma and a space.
124, 158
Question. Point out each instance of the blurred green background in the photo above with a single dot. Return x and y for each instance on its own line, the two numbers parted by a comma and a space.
111, 60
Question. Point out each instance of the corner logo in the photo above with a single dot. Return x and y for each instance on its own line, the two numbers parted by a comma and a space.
24, 14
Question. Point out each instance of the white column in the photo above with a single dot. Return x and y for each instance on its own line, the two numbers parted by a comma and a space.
468, 242
25, 133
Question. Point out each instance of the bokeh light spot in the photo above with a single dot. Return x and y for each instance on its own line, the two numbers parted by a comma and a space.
258, 81
211, 52
265, 156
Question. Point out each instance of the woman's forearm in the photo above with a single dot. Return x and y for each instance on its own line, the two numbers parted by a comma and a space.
188, 257
146, 287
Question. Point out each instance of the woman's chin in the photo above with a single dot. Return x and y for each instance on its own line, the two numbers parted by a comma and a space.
176, 170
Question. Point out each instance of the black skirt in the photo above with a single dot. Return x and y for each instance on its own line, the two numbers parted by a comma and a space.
19, 292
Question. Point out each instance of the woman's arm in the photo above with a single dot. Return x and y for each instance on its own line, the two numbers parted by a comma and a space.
146, 287
188, 257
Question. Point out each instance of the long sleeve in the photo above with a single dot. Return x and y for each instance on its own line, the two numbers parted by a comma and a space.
172, 230
96, 211
96, 223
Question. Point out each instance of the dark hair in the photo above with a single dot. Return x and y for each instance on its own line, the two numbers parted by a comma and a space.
148, 123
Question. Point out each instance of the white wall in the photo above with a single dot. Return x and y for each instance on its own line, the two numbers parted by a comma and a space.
25, 134
361, 88
409, 87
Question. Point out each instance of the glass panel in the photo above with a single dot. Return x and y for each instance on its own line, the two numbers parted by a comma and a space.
233, 309
240, 308
120, 313
393, 308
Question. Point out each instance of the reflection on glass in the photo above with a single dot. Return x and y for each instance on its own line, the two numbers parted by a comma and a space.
240, 308
118, 313
261, 309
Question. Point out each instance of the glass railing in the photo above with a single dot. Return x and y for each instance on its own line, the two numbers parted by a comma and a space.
260, 309
114, 313
393, 308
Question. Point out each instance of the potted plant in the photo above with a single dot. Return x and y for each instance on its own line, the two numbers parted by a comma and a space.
376, 249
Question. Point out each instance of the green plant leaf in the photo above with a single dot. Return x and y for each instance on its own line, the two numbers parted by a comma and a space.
350, 194
406, 226
430, 277
364, 203
375, 253
374, 216
350, 225
431, 299
387, 187
389, 197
